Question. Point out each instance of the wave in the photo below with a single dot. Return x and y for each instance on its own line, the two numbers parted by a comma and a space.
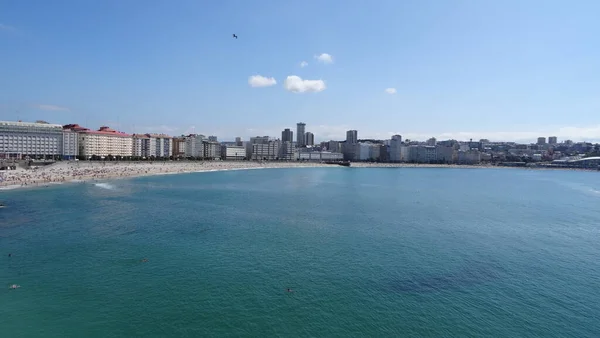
104, 186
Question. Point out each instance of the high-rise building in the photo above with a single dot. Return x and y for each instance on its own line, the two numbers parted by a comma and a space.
212, 139
287, 135
300, 130
552, 140
395, 148
309, 139
541, 140
352, 136
238, 141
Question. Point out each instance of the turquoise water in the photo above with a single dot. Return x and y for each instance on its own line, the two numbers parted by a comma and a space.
367, 252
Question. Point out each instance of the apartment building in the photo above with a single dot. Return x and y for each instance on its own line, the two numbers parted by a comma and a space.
102, 142
27, 139
233, 152
178, 144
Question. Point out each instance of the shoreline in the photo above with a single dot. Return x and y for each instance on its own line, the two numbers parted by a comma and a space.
81, 172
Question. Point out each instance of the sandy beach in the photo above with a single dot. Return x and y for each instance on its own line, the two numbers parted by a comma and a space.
77, 171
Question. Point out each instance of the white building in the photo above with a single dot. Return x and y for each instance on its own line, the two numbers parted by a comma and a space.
102, 142
395, 148
152, 145
21, 139
253, 141
194, 146
70, 144
231, 152
266, 151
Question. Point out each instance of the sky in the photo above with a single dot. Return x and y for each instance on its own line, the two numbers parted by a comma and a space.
503, 70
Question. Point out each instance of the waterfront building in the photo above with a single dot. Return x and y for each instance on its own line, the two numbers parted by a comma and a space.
212, 149
334, 146
287, 135
319, 156
445, 154
352, 136
286, 151
238, 141
141, 145
469, 157
70, 144
178, 147
395, 148
309, 139
152, 145
194, 146
384, 153
233, 152
27, 139
266, 151
102, 142
300, 134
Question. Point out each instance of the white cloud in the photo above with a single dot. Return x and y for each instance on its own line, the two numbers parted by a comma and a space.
261, 81
295, 84
390, 90
303, 64
51, 107
325, 58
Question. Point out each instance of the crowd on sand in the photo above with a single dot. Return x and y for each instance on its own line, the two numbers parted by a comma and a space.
81, 171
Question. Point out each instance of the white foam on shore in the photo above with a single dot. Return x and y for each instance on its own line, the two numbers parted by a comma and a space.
104, 186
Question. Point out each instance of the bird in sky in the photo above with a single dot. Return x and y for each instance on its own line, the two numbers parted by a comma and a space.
235, 36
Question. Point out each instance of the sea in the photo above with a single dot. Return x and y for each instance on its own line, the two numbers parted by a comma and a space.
305, 252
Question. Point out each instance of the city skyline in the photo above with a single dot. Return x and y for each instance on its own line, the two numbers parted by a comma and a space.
447, 70
341, 135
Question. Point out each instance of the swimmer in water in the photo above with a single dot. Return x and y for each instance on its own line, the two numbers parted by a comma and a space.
289, 290
15, 286
144, 260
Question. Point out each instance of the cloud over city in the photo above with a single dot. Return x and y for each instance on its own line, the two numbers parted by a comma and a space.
303, 64
296, 84
390, 91
324, 58
261, 81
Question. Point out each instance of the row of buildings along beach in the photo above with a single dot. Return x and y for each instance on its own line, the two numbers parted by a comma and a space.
37, 140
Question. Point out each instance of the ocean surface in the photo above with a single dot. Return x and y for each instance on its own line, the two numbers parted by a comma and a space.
390, 252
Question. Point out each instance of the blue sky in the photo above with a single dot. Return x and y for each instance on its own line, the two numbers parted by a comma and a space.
498, 69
